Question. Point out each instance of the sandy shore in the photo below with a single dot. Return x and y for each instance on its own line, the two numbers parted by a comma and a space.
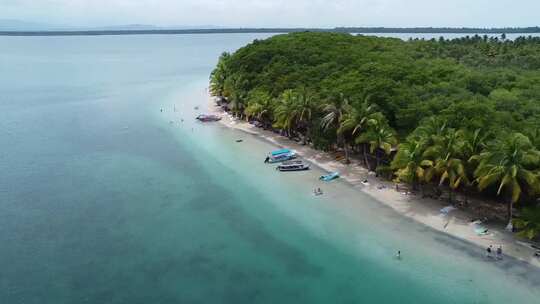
456, 223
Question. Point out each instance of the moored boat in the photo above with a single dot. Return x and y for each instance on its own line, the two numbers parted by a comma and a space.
330, 176
294, 165
280, 156
208, 117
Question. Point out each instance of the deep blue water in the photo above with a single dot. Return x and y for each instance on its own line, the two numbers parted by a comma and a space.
106, 199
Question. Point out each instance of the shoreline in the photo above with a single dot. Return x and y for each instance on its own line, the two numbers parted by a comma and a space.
426, 211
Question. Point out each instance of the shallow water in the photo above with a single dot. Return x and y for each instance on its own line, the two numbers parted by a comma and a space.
106, 199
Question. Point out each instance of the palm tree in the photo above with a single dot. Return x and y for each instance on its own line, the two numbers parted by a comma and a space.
378, 136
534, 136
335, 111
236, 94
219, 75
529, 223
447, 153
259, 106
357, 118
411, 165
305, 108
507, 163
285, 115
431, 130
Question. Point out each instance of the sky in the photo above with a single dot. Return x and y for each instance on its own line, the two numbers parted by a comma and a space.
276, 13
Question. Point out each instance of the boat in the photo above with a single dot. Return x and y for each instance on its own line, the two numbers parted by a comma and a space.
208, 117
281, 151
280, 156
330, 176
294, 165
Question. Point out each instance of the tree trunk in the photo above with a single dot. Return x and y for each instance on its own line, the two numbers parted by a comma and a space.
346, 150
366, 161
510, 226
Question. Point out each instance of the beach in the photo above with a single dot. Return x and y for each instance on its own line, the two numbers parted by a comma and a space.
426, 211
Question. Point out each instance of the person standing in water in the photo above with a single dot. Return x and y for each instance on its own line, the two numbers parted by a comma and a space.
499, 253
489, 251
398, 255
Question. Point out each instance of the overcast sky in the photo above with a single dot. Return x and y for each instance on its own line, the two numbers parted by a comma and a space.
277, 13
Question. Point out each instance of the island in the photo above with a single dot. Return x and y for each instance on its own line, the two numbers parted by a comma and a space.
457, 119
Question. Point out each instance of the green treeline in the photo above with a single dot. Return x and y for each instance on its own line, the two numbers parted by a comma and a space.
461, 114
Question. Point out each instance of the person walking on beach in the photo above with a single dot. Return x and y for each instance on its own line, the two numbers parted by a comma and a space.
489, 251
499, 253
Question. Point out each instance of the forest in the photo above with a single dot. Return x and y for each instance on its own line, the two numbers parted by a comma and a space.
458, 116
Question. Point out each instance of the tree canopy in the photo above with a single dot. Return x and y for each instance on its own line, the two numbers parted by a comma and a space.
461, 113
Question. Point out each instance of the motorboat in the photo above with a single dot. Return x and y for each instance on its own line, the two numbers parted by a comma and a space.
208, 117
330, 176
280, 156
294, 165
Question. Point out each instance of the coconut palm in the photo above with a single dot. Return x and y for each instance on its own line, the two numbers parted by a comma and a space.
259, 106
219, 75
335, 110
378, 136
507, 163
236, 95
410, 163
529, 223
357, 118
285, 116
431, 129
447, 154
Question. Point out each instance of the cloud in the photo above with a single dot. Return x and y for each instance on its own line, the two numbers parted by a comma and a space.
268, 13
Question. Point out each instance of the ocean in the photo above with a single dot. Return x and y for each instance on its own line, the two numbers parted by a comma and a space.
111, 192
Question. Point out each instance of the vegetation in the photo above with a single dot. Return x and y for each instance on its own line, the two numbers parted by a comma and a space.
462, 115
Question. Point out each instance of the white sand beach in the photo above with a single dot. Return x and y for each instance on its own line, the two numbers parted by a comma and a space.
427, 211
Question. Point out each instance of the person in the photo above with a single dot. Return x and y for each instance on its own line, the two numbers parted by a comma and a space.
499, 252
398, 255
267, 159
488, 251
319, 191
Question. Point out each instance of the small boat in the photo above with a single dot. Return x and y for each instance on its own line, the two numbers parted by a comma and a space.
208, 117
280, 156
294, 165
281, 151
329, 177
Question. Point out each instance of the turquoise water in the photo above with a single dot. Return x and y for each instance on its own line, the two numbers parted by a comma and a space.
106, 199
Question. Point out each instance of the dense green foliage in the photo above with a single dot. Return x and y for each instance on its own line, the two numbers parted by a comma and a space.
462, 113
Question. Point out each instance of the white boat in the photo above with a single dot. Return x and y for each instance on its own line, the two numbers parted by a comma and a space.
294, 165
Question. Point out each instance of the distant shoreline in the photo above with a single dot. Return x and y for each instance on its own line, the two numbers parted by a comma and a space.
366, 30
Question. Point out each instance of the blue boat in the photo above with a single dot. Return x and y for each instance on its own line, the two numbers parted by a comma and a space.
280, 157
330, 176
281, 151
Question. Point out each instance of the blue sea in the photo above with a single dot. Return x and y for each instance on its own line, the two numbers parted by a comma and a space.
110, 192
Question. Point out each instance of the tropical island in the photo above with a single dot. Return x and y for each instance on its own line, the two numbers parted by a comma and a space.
447, 117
